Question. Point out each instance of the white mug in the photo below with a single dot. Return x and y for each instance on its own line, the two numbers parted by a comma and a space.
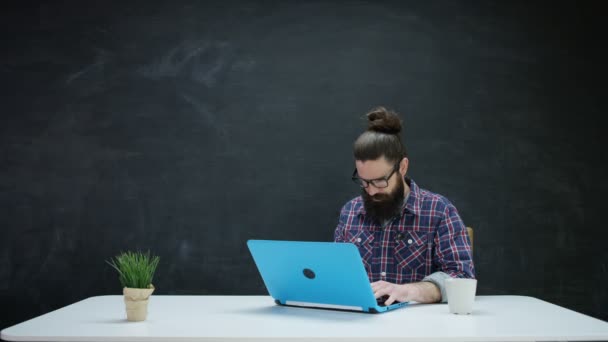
461, 294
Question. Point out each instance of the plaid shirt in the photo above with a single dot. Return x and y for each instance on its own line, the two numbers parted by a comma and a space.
429, 236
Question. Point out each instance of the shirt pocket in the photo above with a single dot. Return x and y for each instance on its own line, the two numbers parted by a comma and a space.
365, 243
412, 256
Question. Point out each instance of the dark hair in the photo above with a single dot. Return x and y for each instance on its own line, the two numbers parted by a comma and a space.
381, 139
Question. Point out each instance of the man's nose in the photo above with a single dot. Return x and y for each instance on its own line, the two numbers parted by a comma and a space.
371, 190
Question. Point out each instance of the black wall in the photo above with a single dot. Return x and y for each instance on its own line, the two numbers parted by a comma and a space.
187, 128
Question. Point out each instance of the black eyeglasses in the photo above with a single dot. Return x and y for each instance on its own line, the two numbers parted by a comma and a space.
377, 183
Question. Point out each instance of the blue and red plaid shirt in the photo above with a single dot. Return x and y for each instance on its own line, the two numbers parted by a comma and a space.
429, 236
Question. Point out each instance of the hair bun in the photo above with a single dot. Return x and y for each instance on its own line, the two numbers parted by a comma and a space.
383, 121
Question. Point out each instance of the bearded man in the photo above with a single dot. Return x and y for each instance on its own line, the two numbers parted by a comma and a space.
410, 239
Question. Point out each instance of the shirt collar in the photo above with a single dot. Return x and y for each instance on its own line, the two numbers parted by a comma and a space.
412, 204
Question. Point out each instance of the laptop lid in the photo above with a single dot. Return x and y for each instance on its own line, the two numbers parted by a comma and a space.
315, 274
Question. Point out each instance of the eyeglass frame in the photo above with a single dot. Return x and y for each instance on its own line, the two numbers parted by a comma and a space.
359, 181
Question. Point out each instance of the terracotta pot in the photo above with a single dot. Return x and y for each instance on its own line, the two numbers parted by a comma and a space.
136, 301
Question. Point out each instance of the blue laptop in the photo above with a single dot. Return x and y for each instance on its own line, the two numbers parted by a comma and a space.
326, 275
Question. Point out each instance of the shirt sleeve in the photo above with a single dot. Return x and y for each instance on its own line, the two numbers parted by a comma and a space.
339, 235
453, 255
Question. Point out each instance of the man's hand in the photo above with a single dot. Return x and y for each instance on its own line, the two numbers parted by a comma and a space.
423, 292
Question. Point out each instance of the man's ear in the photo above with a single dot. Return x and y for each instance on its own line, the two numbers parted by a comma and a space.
403, 166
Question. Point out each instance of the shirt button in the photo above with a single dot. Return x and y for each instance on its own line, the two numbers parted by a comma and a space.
383, 274
358, 239
409, 241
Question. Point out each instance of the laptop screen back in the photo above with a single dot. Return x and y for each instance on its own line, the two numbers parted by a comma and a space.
313, 272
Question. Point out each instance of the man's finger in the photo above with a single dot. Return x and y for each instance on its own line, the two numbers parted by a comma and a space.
384, 287
377, 285
380, 292
390, 300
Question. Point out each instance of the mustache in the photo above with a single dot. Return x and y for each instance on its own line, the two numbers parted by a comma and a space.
380, 197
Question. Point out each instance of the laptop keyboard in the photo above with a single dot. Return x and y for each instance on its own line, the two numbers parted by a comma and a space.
381, 300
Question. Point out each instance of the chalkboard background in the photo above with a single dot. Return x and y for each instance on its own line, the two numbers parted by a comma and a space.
187, 128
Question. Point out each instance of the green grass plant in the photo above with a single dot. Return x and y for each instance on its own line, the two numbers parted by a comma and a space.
135, 269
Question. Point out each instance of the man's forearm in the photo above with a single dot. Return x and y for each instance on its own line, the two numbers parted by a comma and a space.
426, 292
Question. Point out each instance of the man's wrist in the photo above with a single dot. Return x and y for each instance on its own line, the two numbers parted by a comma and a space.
430, 292
438, 280
423, 292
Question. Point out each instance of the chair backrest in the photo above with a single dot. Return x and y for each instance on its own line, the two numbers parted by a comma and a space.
470, 232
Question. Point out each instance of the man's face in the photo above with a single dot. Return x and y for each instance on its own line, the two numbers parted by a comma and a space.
382, 203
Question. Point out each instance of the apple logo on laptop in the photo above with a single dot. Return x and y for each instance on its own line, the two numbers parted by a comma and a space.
308, 273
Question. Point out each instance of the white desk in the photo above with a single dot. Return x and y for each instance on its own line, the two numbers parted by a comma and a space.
257, 318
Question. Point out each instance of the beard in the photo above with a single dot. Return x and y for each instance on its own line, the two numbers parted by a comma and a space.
383, 207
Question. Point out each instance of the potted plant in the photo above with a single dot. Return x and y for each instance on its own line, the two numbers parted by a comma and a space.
136, 270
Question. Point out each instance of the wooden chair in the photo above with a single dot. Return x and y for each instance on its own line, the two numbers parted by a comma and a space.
470, 232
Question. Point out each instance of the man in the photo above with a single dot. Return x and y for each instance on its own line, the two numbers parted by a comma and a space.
410, 239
